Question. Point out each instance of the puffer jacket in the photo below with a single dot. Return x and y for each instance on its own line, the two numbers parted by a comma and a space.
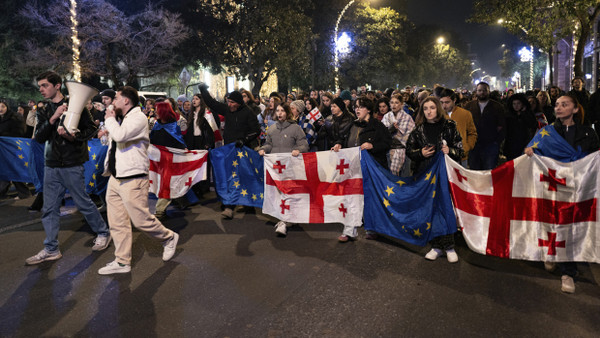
417, 141
284, 137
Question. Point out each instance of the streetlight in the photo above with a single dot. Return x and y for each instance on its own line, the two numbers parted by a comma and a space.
473, 71
335, 39
440, 40
500, 22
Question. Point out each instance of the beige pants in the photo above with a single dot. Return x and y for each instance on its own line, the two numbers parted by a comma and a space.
127, 202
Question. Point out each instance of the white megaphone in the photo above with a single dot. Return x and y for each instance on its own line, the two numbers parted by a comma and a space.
79, 95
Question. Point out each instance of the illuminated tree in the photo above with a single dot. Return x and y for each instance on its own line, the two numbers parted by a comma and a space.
115, 46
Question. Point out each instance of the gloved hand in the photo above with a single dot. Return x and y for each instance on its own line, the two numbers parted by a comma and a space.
239, 143
202, 86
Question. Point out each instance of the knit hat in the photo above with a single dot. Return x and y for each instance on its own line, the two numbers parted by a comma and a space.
182, 98
299, 106
345, 95
340, 103
108, 92
236, 96
97, 98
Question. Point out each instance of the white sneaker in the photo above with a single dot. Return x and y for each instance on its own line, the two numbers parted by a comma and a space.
114, 267
451, 256
433, 254
281, 228
227, 213
101, 243
549, 266
169, 247
568, 284
43, 256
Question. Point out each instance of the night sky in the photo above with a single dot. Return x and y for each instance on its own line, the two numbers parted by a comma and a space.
485, 40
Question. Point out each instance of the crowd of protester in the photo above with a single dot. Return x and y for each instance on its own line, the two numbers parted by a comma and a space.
401, 128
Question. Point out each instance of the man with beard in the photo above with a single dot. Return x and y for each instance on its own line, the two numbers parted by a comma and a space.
490, 122
64, 157
127, 165
241, 125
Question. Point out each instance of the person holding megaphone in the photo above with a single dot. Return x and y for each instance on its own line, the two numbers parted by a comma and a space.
65, 153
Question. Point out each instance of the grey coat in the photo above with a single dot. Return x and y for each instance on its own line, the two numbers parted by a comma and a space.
283, 137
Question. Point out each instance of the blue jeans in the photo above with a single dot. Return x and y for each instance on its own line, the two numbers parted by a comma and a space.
484, 156
56, 181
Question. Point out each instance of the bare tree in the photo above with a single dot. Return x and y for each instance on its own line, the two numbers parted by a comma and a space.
113, 45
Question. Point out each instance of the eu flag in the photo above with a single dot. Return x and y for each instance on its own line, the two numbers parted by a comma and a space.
547, 142
36, 167
95, 183
413, 209
238, 174
14, 156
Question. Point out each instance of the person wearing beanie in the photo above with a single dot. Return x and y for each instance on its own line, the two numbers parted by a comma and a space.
347, 97
368, 133
241, 125
299, 105
336, 126
236, 97
107, 95
299, 116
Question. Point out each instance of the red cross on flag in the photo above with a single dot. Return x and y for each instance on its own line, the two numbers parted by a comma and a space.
174, 171
532, 208
314, 115
319, 187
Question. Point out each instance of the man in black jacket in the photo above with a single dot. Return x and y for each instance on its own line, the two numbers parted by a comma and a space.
64, 156
490, 122
241, 125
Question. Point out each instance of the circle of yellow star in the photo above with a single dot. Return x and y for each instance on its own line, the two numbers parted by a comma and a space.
389, 190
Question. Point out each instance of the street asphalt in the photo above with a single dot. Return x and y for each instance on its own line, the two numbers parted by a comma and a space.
235, 278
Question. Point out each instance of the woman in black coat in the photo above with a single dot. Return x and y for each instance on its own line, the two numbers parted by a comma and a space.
368, 133
521, 125
200, 134
434, 132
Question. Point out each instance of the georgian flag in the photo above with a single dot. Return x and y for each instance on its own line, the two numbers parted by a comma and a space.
314, 115
532, 208
174, 171
316, 187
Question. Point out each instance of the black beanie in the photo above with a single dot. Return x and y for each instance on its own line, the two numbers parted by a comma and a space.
236, 96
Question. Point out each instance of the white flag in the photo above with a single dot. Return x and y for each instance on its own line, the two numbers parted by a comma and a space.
174, 171
532, 208
317, 187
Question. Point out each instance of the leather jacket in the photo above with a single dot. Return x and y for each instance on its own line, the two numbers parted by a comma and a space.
60, 152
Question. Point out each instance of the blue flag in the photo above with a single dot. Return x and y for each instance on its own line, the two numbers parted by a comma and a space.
413, 209
547, 142
238, 174
14, 156
36, 167
95, 183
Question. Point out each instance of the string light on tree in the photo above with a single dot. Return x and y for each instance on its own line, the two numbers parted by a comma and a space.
75, 47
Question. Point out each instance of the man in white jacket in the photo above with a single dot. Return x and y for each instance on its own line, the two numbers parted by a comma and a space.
127, 165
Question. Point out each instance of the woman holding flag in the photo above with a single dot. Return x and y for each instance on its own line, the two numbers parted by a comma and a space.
368, 133
566, 140
434, 132
203, 133
282, 137
165, 132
